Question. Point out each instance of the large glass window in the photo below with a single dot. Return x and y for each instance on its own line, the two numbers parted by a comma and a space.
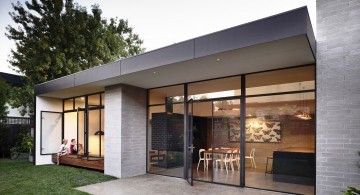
79, 102
280, 131
94, 100
69, 104
166, 131
217, 88
70, 126
293, 79
85, 118
166, 94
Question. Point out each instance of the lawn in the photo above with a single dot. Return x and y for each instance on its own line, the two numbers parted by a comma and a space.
22, 177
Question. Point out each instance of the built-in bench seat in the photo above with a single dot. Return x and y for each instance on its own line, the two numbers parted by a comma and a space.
75, 160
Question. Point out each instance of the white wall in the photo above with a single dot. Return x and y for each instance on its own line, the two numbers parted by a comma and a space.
44, 104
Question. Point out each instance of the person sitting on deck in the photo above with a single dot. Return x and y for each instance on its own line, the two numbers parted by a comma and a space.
63, 151
73, 147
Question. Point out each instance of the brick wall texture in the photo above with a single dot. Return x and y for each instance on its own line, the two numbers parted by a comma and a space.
125, 127
338, 95
167, 132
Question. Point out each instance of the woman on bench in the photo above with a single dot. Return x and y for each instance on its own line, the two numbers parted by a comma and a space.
73, 147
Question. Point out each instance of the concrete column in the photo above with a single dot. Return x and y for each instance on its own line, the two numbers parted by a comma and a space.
125, 131
338, 95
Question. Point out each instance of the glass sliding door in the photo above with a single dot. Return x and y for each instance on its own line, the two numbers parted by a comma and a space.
216, 130
165, 141
81, 132
96, 135
202, 140
226, 141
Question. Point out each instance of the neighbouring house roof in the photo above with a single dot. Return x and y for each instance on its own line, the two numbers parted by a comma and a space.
283, 40
12, 79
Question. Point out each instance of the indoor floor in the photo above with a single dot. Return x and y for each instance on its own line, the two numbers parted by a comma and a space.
255, 177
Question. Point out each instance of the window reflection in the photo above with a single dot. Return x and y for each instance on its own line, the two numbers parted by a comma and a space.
226, 87
80, 102
294, 79
166, 132
281, 144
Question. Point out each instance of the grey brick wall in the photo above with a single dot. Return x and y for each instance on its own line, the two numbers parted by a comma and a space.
125, 131
133, 131
338, 95
112, 135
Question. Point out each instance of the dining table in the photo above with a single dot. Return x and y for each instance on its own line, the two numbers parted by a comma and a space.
220, 152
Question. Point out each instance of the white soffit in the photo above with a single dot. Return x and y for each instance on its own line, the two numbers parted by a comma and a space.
288, 52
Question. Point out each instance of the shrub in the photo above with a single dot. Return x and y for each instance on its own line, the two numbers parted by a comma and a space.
351, 190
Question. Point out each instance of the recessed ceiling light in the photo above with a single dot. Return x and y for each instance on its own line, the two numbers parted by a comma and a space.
218, 59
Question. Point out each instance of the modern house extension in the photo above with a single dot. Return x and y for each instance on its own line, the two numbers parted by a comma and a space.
237, 107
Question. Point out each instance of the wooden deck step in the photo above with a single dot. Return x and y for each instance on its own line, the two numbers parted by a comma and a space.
80, 162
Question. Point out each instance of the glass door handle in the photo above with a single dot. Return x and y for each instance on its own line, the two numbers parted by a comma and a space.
191, 148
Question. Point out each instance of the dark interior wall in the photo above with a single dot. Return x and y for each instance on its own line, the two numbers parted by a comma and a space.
167, 131
159, 135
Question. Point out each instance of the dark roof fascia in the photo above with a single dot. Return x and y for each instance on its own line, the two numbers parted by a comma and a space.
284, 25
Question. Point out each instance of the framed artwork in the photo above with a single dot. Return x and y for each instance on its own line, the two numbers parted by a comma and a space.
258, 132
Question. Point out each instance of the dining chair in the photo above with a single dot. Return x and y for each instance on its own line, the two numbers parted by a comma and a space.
252, 157
208, 158
227, 160
236, 158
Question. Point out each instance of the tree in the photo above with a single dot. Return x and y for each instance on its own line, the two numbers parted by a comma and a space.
4, 130
3, 99
57, 38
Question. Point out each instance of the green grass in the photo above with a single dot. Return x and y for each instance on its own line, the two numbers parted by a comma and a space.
22, 177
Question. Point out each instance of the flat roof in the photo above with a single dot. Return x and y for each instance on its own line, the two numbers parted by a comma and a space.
283, 40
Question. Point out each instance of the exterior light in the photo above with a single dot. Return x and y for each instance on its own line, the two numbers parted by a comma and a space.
218, 59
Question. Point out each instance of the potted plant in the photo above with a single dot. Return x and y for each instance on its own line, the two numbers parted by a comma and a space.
352, 190
23, 148
14, 152
28, 145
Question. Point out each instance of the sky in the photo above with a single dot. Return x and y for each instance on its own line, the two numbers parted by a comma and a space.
164, 22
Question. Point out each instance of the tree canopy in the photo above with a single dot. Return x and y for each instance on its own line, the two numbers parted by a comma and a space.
59, 37
3, 98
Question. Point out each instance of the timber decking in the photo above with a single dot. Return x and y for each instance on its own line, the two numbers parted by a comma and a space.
80, 162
